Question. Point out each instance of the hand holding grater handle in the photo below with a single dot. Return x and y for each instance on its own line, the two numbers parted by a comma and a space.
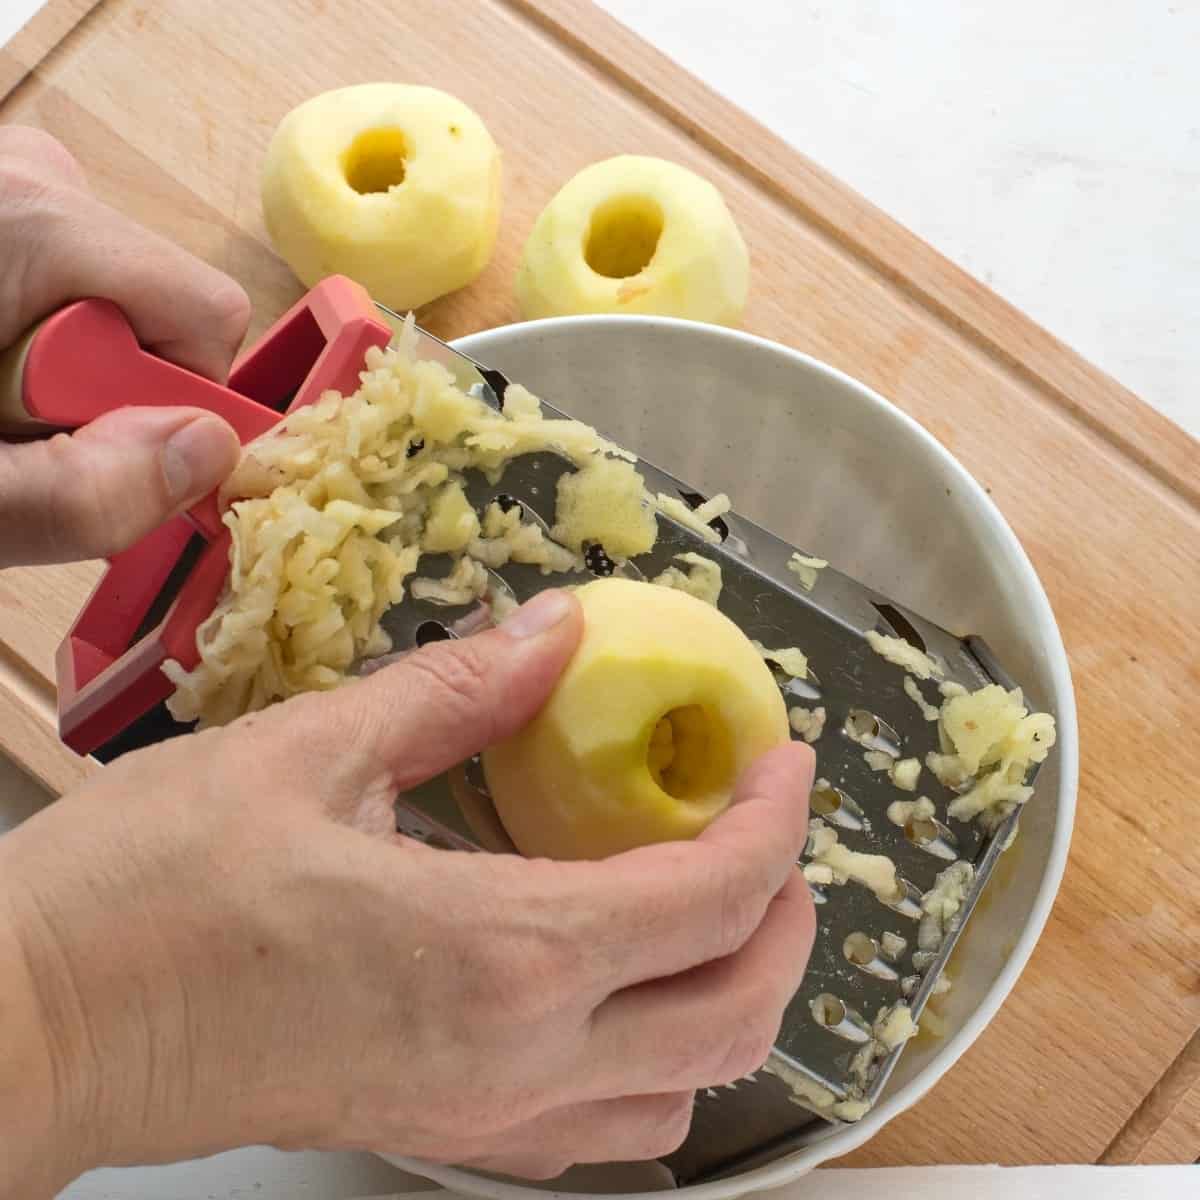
85, 361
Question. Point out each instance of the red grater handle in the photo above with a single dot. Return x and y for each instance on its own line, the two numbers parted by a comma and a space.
85, 361
109, 665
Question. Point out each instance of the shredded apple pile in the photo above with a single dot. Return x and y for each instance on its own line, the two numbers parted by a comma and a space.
333, 511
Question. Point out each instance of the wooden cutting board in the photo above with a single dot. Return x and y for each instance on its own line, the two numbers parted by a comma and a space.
169, 106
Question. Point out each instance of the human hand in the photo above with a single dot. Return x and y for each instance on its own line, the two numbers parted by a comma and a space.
99, 490
227, 943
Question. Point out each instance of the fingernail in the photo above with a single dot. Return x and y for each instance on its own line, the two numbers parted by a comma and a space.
538, 615
197, 458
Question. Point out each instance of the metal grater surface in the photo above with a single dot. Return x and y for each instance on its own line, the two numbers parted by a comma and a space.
758, 1119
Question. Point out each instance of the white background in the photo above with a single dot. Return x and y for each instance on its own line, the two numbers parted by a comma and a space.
1051, 147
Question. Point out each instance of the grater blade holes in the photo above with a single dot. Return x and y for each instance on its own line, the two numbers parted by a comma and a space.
808, 688
860, 949
921, 831
906, 901
933, 837
863, 952
871, 732
473, 771
432, 631
835, 806
901, 625
801, 689
693, 500
831, 1013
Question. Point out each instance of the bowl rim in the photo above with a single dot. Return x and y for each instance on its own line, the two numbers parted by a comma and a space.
846, 1138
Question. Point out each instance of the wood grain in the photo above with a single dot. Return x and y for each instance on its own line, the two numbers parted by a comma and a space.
37, 37
169, 106
1163, 1129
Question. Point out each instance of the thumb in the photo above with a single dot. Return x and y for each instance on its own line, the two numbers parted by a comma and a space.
438, 705
95, 492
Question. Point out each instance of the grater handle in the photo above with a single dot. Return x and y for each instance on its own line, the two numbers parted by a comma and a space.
85, 361
149, 603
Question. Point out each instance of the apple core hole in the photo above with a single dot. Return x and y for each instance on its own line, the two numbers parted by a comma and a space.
623, 236
376, 161
690, 754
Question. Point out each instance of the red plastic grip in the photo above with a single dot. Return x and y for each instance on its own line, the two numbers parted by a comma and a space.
109, 665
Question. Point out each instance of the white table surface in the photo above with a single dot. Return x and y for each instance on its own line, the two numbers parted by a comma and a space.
1052, 148
279, 1179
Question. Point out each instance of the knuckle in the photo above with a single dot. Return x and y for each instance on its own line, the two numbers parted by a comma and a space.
545, 1168
21, 182
82, 517
761, 999
458, 676
672, 1126
37, 148
231, 310
750, 1048
743, 897
693, 1058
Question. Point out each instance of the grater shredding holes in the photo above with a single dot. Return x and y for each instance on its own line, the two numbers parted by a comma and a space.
833, 1014
828, 1010
906, 902
933, 837
808, 688
901, 625
872, 732
693, 500
862, 952
836, 807
921, 831
432, 631
860, 949
507, 503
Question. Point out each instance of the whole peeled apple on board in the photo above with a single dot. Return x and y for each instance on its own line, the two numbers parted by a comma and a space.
663, 705
635, 235
395, 185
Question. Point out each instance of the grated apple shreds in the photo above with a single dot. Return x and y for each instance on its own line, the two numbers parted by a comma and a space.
328, 522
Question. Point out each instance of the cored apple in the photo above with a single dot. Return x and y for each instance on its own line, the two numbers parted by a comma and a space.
663, 705
635, 235
395, 185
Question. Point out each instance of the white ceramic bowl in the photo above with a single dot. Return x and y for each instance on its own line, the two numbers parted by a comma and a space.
827, 464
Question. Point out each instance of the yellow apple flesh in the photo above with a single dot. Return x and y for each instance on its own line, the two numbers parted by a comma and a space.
635, 235
395, 185
663, 705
